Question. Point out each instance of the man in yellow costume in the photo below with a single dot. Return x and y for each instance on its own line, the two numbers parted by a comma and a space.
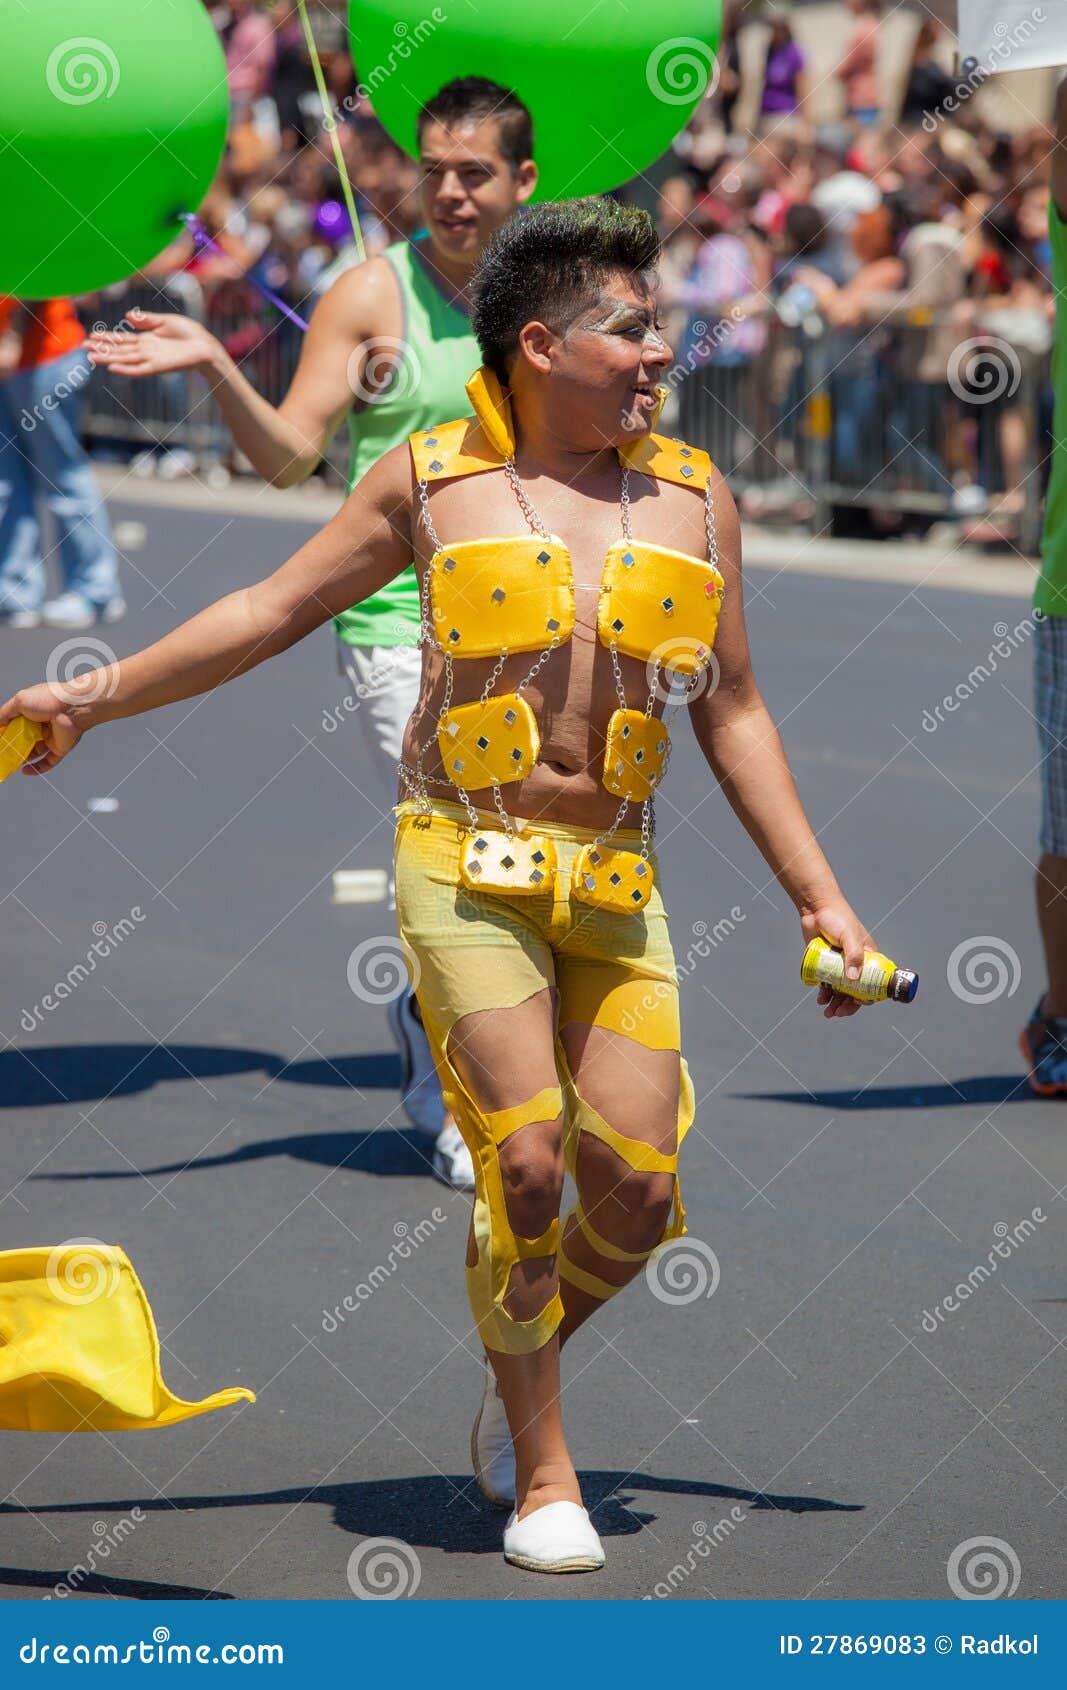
555, 651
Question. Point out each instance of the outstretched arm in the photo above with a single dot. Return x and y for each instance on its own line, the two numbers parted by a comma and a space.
366, 544
743, 749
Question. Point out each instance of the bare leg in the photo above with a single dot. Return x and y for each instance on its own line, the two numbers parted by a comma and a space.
1052, 918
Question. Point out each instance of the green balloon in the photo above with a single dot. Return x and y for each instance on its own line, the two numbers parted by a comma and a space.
113, 118
609, 87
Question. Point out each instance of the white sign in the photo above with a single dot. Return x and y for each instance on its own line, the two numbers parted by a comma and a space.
1012, 34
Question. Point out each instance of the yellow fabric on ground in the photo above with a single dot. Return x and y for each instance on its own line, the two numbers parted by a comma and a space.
79, 1350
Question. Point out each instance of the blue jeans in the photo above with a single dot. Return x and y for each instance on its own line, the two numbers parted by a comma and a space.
41, 454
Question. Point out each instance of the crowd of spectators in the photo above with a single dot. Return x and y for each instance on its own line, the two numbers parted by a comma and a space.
896, 213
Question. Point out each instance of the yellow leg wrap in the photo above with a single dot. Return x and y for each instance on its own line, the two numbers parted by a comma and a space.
601, 1245
588, 1282
544, 1107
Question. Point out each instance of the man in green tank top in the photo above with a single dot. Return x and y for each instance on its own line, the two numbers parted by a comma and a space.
389, 348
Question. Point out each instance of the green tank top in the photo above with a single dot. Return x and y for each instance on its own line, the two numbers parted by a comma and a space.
439, 356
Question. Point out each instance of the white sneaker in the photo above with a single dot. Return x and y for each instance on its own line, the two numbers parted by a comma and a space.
452, 1160
419, 1085
492, 1451
70, 610
20, 619
558, 1538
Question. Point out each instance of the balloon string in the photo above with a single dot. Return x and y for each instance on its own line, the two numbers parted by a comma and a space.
330, 125
202, 239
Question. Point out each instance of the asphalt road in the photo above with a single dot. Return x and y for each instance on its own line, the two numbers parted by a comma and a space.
216, 1099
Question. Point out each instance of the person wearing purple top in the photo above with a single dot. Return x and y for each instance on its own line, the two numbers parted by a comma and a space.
783, 93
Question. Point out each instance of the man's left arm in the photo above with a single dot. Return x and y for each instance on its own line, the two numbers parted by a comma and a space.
744, 752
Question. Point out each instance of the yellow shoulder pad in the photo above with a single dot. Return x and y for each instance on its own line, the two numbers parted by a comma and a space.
668, 460
453, 448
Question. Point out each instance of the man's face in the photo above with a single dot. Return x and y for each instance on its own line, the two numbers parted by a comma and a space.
610, 358
467, 189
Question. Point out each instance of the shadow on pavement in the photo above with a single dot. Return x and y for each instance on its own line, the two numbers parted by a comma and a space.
983, 1088
378, 1150
98, 1584
47, 1074
449, 1513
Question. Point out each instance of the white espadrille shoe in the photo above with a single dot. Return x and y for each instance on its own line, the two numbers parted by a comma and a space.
492, 1451
558, 1538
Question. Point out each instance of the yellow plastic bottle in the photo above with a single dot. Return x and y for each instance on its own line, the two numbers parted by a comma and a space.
824, 965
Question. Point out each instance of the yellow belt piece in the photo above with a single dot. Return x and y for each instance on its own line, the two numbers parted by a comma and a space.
17, 740
79, 1350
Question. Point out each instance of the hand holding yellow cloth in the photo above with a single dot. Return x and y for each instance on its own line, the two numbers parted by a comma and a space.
17, 740
79, 1350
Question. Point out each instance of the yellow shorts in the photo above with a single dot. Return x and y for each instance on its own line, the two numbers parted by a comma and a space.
473, 950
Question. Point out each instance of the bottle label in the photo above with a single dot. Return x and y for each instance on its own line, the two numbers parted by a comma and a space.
829, 970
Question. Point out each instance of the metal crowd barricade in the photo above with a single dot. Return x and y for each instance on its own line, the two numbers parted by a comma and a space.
818, 421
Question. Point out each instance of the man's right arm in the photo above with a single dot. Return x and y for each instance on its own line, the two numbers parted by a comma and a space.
366, 544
